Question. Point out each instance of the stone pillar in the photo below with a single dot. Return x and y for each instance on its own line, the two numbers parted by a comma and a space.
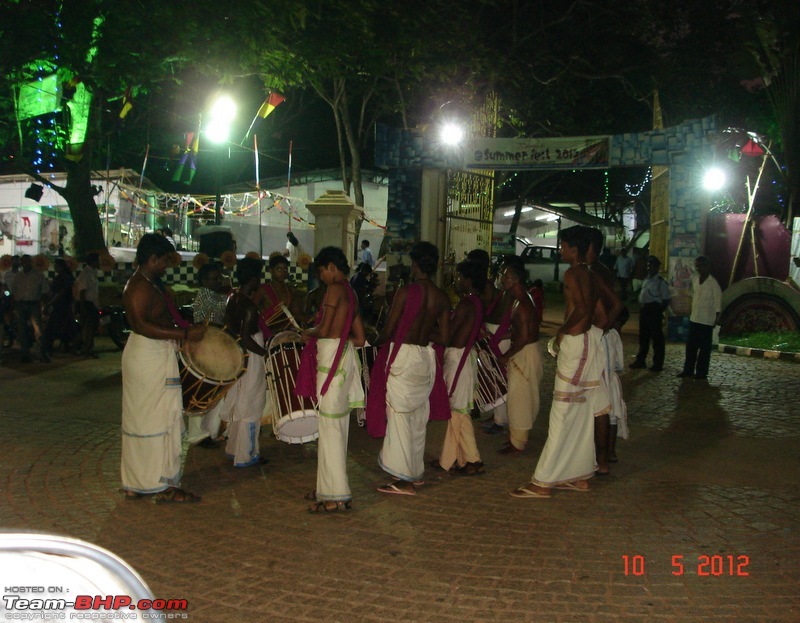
433, 213
335, 217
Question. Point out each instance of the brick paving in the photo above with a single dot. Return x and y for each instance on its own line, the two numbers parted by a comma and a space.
710, 470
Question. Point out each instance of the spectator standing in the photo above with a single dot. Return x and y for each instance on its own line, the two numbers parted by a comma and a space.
623, 269
29, 289
366, 254
86, 294
60, 322
706, 307
654, 300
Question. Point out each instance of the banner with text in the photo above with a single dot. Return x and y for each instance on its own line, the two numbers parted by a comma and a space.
587, 152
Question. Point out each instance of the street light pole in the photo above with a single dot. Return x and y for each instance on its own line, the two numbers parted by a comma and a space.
222, 113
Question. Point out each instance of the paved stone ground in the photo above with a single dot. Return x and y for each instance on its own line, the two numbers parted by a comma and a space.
710, 470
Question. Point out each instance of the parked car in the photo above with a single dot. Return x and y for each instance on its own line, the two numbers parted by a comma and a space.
541, 263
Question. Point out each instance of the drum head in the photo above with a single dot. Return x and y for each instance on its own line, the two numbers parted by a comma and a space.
217, 358
298, 427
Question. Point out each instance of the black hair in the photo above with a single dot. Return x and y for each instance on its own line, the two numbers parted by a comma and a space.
292, 238
475, 271
425, 256
537, 283
152, 244
92, 257
247, 268
206, 270
577, 236
511, 258
479, 255
518, 270
365, 243
596, 239
60, 261
274, 260
332, 255
167, 231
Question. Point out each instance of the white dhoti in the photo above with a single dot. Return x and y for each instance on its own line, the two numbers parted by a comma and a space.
579, 395
152, 409
408, 389
243, 407
501, 410
202, 425
614, 363
344, 394
459, 441
525, 371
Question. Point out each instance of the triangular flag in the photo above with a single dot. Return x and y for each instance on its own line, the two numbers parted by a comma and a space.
271, 103
127, 103
751, 148
188, 162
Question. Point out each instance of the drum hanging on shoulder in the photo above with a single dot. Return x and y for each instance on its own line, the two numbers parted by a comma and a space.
492, 384
295, 419
209, 368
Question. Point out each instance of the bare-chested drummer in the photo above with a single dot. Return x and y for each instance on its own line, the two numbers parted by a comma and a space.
152, 404
568, 457
244, 403
609, 308
420, 312
523, 359
497, 321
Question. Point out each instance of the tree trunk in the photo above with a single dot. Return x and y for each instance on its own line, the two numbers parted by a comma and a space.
83, 208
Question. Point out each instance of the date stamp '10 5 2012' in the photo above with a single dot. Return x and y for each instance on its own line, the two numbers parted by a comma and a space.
716, 565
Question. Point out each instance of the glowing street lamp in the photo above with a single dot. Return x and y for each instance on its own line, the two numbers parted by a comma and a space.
451, 134
714, 179
221, 115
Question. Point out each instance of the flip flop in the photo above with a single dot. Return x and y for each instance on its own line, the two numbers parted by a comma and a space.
571, 486
394, 489
320, 507
524, 492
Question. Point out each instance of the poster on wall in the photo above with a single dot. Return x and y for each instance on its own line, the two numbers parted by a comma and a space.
20, 232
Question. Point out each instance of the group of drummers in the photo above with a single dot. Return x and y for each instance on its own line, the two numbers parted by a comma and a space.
246, 361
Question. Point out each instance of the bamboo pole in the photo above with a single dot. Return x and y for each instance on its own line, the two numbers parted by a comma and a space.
751, 197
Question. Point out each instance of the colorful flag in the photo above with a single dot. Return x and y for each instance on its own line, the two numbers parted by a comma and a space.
187, 166
127, 103
271, 103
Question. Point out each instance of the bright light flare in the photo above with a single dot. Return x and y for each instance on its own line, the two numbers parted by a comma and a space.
451, 134
714, 179
222, 113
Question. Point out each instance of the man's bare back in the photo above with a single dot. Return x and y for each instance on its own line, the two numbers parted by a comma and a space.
580, 296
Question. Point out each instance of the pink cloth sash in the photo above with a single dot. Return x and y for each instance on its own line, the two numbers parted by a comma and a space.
306, 384
476, 327
376, 399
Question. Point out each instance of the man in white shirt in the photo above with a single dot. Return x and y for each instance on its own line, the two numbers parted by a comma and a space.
28, 290
86, 290
706, 307
366, 254
624, 269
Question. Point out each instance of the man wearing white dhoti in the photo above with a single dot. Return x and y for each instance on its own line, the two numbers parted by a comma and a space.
338, 330
420, 314
523, 360
568, 457
151, 389
609, 308
244, 403
459, 449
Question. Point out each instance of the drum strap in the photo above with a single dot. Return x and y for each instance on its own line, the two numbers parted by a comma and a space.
476, 327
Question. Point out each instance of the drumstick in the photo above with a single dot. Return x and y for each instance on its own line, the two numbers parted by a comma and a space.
290, 317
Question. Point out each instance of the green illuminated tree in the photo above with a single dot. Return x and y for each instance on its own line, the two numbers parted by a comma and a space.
104, 47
